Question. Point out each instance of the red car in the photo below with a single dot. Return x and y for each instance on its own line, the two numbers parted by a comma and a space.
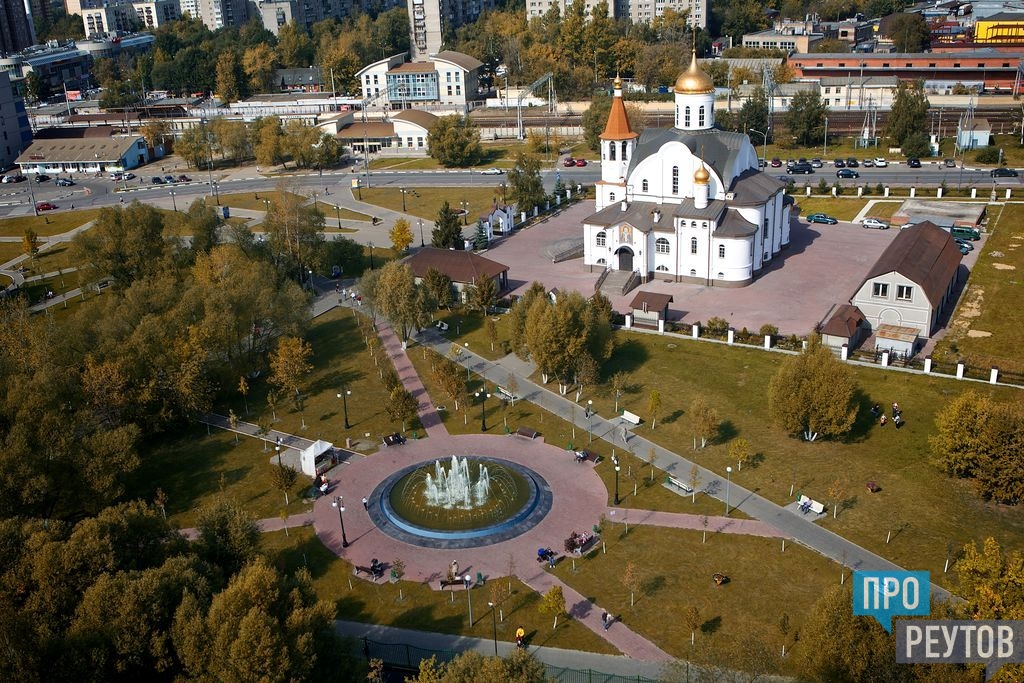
581, 162
569, 161
45, 206
184, 179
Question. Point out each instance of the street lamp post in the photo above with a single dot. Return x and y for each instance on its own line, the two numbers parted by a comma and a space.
339, 502
483, 396
343, 395
422, 243
590, 417
824, 149
615, 461
494, 627
174, 201
403, 191
728, 483
337, 209
466, 344
370, 245
502, 186
469, 597
465, 212
277, 447
765, 144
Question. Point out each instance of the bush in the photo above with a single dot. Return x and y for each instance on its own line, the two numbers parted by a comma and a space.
879, 189
838, 188
867, 190
717, 327
770, 330
822, 186
989, 155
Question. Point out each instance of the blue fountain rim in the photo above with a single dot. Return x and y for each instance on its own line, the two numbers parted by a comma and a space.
528, 516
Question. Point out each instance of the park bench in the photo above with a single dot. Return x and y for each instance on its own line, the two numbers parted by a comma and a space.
678, 483
632, 418
442, 325
583, 455
394, 439
445, 583
528, 432
806, 505
374, 571
507, 395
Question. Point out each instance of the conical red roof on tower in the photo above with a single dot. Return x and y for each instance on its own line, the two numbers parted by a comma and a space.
617, 127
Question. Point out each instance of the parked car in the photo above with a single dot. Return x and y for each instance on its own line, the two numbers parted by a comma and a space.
42, 177
868, 163
965, 233
798, 167
880, 162
17, 178
852, 163
45, 206
816, 163
569, 161
914, 162
949, 163
492, 171
1003, 173
776, 163
761, 163
847, 173
839, 163
129, 175
184, 179
875, 224
964, 243
168, 179
157, 180
964, 250
63, 182
581, 163
822, 218
117, 175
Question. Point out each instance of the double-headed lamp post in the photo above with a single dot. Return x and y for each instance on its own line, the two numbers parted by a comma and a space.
483, 396
728, 483
277, 448
494, 627
469, 597
615, 461
403, 191
422, 243
765, 147
343, 395
174, 201
590, 419
339, 502
465, 212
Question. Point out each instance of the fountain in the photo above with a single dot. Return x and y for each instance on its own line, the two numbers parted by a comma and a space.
463, 501
454, 489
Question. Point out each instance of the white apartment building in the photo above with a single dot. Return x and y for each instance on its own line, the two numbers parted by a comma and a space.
103, 16
445, 84
635, 10
430, 19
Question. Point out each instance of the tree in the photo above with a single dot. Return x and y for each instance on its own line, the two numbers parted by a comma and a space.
402, 406
518, 667
447, 232
813, 394
916, 145
618, 383
258, 63
491, 328
125, 244
654, 406
704, 421
909, 113
228, 536
30, 242
909, 32
289, 364
193, 146
836, 491
480, 241
482, 294
694, 482
228, 81
833, 45
754, 113
991, 581
631, 580
400, 300
525, 186
553, 603
692, 618
268, 141
439, 287
294, 48
283, 478
805, 118
400, 235
449, 377
741, 451
454, 141
155, 132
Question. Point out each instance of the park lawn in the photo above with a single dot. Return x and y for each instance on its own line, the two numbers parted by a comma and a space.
425, 202
675, 573
48, 223
844, 209
638, 487
201, 466
52, 259
331, 210
252, 201
404, 164
923, 508
10, 251
419, 607
988, 327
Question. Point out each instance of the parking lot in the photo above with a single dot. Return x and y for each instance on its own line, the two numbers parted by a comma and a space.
822, 267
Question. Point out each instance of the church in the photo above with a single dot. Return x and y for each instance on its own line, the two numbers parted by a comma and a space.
688, 203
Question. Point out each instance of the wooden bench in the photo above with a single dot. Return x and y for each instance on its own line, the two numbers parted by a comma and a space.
678, 483
582, 455
395, 439
373, 572
632, 418
528, 432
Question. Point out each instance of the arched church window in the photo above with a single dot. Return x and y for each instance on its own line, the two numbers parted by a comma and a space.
721, 251
611, 196
686, 117
602, 238
661, 246
693, 271
693, 245
662, 269
611, 151
675, 180
693, 224
700, 117
644, 186
624, 148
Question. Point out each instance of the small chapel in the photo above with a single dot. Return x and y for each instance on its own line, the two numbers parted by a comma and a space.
687, 203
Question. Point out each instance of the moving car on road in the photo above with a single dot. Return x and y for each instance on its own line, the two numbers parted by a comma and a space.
914, 162
492, 171
875, 224
42, 177
822, 218
569, 161
799, 167
45, 206
63, 182
1004, 173
847, 173
581, 163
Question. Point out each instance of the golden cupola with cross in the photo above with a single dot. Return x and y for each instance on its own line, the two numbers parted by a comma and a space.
694, 98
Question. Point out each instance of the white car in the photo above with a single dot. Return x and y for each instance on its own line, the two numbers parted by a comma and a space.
492, 171
881, 163
875, 223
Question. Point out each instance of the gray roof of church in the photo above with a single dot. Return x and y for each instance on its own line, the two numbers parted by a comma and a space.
753, 187
718, 148
640, 214
735, 225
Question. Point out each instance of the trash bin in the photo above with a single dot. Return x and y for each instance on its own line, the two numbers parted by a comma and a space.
226, 211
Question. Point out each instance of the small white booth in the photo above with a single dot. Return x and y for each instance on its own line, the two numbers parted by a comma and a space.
318, 458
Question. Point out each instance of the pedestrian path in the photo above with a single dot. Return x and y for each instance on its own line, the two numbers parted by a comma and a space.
683, 520
398, 354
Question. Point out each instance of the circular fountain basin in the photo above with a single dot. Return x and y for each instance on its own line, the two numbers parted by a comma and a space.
518, 500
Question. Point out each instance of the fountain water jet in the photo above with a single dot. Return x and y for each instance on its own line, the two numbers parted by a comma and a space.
454, 488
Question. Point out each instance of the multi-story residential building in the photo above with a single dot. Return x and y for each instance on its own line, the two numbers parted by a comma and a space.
787, 35
15, 27
220, 13
107, 16
430, 20
635, 10
449, 82
274, 14
15, 133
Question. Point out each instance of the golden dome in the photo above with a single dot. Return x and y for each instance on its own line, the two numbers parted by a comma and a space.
693, 81
701, 176
617, 83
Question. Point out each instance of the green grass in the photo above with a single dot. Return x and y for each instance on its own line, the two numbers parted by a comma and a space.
48, 223
251, 201
991, 302
332, 211
10, 251
419, 607
429, 200
843, 209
